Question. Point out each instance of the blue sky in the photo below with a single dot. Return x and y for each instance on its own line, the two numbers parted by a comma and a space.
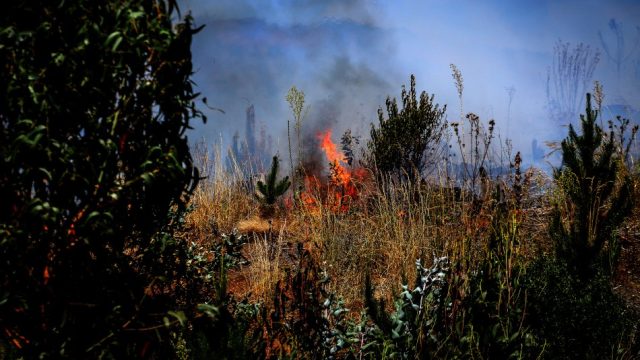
349, 55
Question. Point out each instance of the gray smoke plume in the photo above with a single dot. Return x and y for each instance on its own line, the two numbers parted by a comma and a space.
251, 52
349, 55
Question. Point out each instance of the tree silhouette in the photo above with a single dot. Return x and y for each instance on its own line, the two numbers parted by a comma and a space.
618, 52
95, 99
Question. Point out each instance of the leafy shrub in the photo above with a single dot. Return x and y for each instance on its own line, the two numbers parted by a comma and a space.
400, 145
577, 318
220, 325
307, 321
95, 98
416, 327
271, 189
495, 307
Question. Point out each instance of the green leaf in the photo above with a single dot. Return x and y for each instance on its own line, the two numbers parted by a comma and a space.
147, 178
178, 315
211, 311
135, 14
116, 43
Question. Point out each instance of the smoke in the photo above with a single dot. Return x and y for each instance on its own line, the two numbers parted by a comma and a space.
252, 52
349, 55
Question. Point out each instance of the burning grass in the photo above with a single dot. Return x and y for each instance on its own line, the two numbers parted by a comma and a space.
352, 223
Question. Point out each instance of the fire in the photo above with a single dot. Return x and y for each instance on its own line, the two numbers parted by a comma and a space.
338, 172
330, 148
341, 190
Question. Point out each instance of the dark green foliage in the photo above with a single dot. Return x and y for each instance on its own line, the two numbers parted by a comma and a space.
495, 307
596, 194
419, 325
222, 326
95, 98
401, 143
576, 318
270, 190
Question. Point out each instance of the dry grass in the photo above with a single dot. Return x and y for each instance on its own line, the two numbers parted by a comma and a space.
221, 199
254, 226
383, 233
267, 257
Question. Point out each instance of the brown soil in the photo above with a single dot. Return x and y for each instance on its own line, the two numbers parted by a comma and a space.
627, 278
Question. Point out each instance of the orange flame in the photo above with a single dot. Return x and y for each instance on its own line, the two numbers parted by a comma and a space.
341, 177
330, 148
335, 157
341, 191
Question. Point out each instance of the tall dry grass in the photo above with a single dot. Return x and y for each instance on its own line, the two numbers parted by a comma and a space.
382, 233
267, 255
222, 197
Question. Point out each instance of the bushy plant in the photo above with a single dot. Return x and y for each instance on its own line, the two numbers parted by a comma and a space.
595, 194
453, 312
571, 303
401, 143
220, 325
307, 321
495, 308
418, 324
578, 318
95, 99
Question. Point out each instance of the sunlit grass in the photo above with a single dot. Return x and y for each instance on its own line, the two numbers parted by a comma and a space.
382, 233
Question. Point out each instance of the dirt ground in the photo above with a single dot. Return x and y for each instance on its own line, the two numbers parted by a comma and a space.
627, 278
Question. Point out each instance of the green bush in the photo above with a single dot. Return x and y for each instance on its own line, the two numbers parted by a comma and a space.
595, 194
401, 144
577, 318
571, 304
268, 191
306, 321
95, 99
221, 326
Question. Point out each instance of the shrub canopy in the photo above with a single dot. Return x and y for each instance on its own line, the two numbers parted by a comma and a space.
95, 98
401, 143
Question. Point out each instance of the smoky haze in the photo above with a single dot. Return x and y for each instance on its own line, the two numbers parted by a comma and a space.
250, 53
349, 55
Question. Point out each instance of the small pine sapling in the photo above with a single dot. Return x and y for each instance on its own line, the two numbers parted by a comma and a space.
597, 193
271, 189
